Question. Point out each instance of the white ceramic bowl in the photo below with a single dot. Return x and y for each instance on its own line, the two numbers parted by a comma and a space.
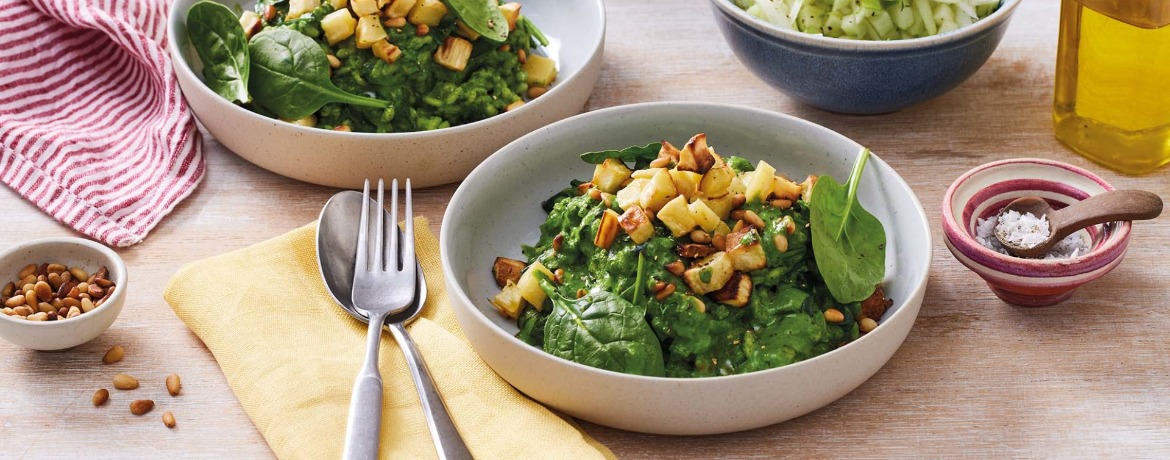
497, 208
67, 333
575, 29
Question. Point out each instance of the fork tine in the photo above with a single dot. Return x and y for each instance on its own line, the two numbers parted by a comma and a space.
363, 245
408, 237
393, 265
381, 231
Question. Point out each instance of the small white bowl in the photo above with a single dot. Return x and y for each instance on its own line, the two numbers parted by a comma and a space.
498, 208
576, 31
66, 333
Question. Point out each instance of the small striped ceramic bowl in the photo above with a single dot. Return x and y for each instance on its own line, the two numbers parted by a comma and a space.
983, 191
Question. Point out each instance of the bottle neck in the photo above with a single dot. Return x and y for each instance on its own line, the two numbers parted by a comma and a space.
1147, 14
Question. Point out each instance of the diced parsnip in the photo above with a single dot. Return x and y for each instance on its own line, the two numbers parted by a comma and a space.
745, 250
529, 285
658, 191
722, 229
737, 292
631, 194
709, 274
338, 25
635, 222
309, 121
785, 189
721, 206
386, 51
609, 175
541, 70
382, 3
369, 31
807, 186
398, 8
297, 8
429, 12
507, 270
716, 180
669, 151
704, 216
464, 31
760, 184
607, 230
251, 22
686, 182
511, 12
364, 7
677, 216
646, 173
696, 156
339, 4
509, 301
453, 53
737, 185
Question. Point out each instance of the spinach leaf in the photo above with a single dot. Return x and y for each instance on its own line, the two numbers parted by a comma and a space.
536, 34
602, 330
739, 164
290, 75
482, 16
639, 281
629, 154
849, 243
222, 45
531, 324
568, 192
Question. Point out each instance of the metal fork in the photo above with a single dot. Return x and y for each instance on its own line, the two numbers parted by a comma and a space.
382, 286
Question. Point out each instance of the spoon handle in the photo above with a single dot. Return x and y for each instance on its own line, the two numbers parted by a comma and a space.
448, 442
1118, 205
363, 430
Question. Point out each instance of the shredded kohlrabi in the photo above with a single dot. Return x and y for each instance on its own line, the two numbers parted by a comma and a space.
870, 19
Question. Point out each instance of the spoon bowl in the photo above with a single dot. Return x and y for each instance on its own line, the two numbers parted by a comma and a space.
1113, 206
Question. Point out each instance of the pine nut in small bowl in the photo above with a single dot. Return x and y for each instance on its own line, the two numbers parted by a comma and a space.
973, 201
73, 288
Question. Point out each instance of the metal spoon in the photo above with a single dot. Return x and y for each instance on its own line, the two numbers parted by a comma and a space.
1118, 205
336, 250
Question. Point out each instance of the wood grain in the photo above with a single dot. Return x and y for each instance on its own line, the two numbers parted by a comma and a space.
976, 377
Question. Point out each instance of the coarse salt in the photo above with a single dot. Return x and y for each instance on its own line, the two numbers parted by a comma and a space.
1027, 230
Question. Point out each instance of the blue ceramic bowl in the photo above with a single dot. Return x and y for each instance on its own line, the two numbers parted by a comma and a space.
855, 76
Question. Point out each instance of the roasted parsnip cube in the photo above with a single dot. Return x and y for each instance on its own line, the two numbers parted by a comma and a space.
339, 4
716, 180
338, 25
453, 53
686, 182
429, 12
696, 156
509, 302
382, 3
677, 217
609, 175
541, 70
722, 229
387, 52
658, 191
694, 250
607, 230
647, 173
721, 206
785, 189
760, 185
669, 151
297, 8
529, 285
737, 185
364, 7
635, 222
631, 194
745, 250
369, 31
464, 31
398, 8
737, 292
507, 270
807, 186
251, 22
511, 12
704, 217
710, 274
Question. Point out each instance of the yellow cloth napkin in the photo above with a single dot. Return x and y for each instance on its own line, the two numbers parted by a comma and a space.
291, 354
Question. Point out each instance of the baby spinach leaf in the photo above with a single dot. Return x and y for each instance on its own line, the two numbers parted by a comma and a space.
222, 45
531, 323
849, 243
482, 16
628, 154
739, 164
536, 33
290, 75
602, 330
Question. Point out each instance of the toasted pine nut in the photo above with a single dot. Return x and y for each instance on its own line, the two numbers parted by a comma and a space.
173, 384
168, 419
73, 311
45, 307
422, 29
55, 268
30, 298
665, 292
867, 324
333, 61
522, 55
781, 242
559, 276
834, 315
125, 382
737, 214
78, 273
700, 237
676, 268
54, 280
27, 270
738, 200
782, 204
737, 227
141, 406
8, 289
659, 286
753, 219
101, 396
396, 23
536, 91
42, 316
23, 310
719, 242
114, 355
595, 194
557, 241
581, 293
14, 301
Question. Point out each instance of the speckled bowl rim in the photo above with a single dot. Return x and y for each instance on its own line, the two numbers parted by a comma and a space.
1006, 9
180, 65
117, 265
1101, 255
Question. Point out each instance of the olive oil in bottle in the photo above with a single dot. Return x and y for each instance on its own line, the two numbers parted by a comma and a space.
1112, 101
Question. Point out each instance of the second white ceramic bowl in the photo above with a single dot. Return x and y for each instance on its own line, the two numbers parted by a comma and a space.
575, 29
497, 208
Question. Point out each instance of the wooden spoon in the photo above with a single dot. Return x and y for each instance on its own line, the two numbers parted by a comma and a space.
1118, 205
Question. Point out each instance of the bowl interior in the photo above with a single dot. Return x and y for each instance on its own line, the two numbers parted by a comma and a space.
71, 252
497, 208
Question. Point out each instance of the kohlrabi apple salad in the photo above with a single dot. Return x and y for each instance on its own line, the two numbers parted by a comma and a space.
870, 19
379, 66
682, 263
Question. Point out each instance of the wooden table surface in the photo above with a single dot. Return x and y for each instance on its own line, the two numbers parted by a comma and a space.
976, 377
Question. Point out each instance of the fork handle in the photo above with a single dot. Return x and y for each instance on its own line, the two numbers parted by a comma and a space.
448, 443
363, 430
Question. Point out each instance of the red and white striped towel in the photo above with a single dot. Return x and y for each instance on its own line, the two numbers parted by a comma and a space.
93, 128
